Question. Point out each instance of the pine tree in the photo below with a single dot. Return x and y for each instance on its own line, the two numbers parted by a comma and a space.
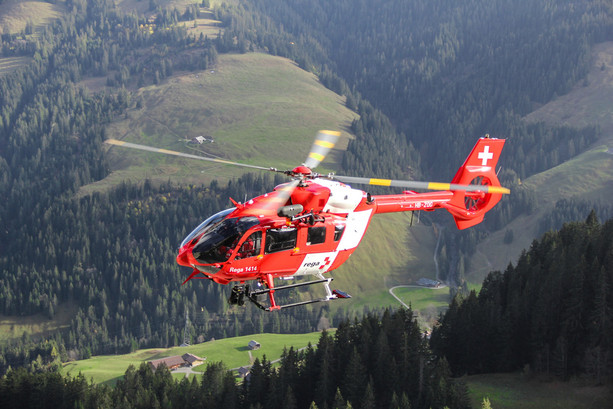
368, 400
339, 402
354, 381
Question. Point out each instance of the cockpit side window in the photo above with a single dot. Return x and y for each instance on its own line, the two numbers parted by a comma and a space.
280, 239
208, 223
250, 247
217, 244
316, 235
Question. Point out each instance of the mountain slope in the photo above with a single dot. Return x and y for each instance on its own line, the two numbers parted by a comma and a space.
586, 177
259, 109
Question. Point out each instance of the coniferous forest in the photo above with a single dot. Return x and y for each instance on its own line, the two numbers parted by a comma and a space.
426, 78
551, 312
376, 362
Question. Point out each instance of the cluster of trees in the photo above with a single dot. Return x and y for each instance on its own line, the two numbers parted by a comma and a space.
376, 362
371, 363
552, 312
573, 209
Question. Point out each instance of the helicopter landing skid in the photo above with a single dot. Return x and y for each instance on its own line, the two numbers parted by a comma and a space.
258, 297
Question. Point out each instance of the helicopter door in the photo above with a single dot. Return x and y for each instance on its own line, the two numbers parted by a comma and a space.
246, 260
251, 247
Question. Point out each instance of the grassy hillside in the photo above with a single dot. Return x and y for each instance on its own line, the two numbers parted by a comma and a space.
10, 64
587, 176
258, 108
205, 25
391, 253
233, 352
589, 103
38, 325
15, 15
513, 391
143, 7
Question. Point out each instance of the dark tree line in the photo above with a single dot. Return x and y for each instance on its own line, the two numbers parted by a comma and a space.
380, 361
552, 312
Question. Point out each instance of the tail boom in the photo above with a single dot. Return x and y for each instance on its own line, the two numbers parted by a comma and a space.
468, 207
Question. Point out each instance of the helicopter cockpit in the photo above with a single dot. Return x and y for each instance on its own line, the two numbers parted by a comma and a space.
211, 221
219, 240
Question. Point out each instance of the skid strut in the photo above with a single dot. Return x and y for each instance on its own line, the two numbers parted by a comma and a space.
257, 297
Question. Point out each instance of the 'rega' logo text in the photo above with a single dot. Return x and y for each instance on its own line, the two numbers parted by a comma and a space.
311, 264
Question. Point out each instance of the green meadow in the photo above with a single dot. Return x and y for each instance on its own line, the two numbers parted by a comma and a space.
37, 325
259, 109
516, 391
233, 352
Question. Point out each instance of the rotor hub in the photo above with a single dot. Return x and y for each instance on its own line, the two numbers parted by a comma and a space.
301, 170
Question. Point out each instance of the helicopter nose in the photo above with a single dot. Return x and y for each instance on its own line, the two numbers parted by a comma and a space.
183, 258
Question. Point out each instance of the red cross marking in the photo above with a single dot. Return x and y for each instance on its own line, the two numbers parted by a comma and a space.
326, 263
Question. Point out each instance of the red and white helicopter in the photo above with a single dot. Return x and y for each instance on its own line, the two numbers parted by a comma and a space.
312, 224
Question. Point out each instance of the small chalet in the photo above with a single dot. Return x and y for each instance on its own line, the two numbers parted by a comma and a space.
192, 360
243, 371
174, 362
197, 140
171, 362
253, 345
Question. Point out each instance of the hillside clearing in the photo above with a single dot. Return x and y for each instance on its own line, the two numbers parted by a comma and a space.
233, 352
144, 7
205, 25
259, 109
10, 64
38, 325
515, 391
588, 176
589, 102
16, 15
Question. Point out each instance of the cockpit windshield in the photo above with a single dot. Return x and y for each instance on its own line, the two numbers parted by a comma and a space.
218, 242
211, 221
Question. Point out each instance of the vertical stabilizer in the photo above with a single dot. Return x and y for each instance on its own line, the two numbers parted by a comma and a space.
469, 208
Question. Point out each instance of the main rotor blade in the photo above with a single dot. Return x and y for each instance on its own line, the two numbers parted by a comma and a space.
175, 153
324, 141
421, 185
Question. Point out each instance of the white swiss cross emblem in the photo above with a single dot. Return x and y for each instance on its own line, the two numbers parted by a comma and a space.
485, 155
